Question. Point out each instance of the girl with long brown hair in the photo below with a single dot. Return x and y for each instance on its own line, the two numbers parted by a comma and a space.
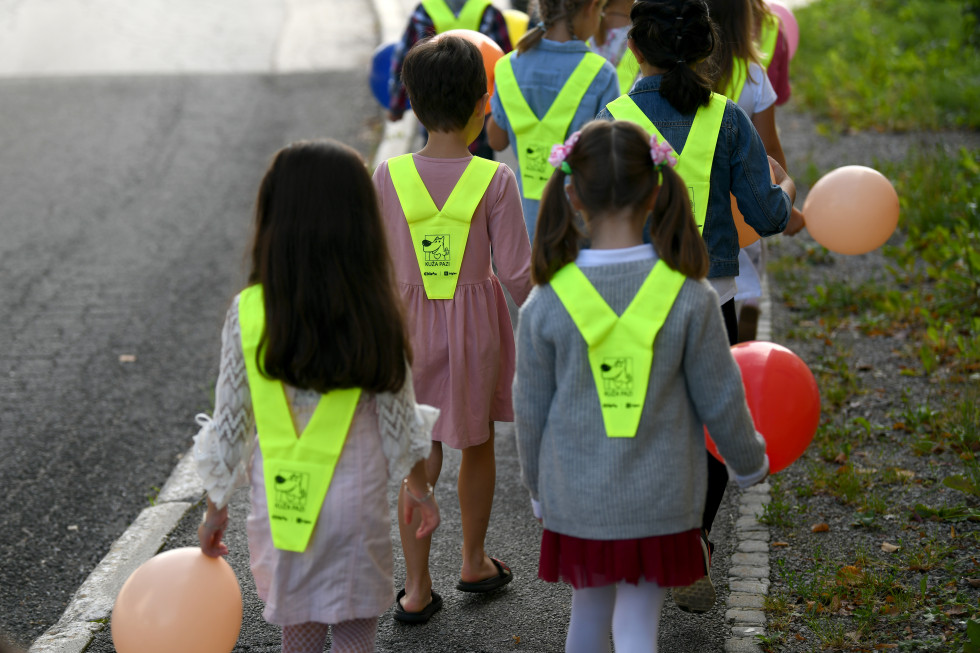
621, 359
314, 405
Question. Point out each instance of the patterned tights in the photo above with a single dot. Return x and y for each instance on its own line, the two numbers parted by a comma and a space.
355, 636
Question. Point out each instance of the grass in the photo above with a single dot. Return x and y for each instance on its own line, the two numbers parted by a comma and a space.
889, 64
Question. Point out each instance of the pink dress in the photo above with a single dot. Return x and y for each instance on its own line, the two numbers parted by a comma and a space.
463, 347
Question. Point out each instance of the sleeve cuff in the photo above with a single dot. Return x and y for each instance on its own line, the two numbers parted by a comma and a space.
757, 476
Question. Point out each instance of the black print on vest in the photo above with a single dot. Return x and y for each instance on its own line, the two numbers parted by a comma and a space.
690, 192
436, 248
292, 488
617, 377
537, 160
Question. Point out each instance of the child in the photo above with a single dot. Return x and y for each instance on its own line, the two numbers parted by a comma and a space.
768, 34
741, 77
549, 88
610, 42
620, 489
456, 311
720, 153
433, 17
316, 345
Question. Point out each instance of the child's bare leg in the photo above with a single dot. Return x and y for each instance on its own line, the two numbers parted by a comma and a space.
477, 476
418, 582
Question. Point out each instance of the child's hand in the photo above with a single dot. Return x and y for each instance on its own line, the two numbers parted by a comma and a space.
427, 508
796, 222
212, 530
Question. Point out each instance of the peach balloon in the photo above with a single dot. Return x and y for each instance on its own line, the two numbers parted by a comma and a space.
180, 600
489, 50
746, 234
851, 210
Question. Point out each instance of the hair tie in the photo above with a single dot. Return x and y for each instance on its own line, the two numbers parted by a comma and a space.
560, 152
662, 154
541, 26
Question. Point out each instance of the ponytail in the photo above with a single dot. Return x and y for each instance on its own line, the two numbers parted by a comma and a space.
678, 36
530, 39
673, 230
556, 235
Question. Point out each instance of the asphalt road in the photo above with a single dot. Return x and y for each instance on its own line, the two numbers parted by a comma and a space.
125, 204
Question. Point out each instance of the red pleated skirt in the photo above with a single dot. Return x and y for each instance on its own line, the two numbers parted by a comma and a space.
673, 560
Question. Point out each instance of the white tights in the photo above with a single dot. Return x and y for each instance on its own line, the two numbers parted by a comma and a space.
632, 612
355, 636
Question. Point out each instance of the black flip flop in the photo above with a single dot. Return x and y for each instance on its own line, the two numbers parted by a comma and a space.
504, 576
420, 617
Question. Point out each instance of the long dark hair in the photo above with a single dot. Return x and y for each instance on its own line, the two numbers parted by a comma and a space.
611, 170
678, 36
332, 315
734, 22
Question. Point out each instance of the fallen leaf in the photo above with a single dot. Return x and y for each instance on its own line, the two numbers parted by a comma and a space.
820, 528
850, 575
973, 582
517, 639
888, 610
889, 548
904, 473
780, 544
127, 358
957, 611
73, 527
841, 458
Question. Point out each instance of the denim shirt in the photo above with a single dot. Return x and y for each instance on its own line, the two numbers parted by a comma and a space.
740, 167
541, 73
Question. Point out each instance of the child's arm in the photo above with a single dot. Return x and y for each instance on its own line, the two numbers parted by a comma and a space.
509, 240
534, 388
714, 384
764, 205
765, 123
224, 445
496, 136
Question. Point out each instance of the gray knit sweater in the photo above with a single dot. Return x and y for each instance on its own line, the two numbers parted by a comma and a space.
596, 487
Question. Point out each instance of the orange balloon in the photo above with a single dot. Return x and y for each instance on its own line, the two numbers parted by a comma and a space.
851, 210
179, 600
783, 398
489, 49
746, 234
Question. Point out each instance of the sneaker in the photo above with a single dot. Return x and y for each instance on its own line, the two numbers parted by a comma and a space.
699, 596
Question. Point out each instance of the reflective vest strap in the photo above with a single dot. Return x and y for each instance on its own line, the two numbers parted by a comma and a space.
470, 189
588, 310
627, 70
767, 39
563, 109
412, 194
444, 20
624, 108
297, 470
701, 142
518, 111
736, 83
620, 349
440, 236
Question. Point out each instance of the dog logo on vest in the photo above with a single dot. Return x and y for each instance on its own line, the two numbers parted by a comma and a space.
617, 377
537, 160
292, 488
436, 248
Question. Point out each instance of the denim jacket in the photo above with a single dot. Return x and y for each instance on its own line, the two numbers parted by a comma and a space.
740, 167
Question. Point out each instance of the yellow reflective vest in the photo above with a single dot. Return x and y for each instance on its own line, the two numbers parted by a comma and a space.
767, 39
297, 469
620, 348
627, 69
439, 236
694, 164
536, 137
444, 19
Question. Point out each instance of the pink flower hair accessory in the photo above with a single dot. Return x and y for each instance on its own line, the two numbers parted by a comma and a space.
661, 153
560, 152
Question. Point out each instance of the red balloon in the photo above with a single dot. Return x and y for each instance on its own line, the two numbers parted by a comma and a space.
488, 48
783, 398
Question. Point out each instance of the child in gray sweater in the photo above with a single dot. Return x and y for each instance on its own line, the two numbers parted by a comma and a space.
611, 395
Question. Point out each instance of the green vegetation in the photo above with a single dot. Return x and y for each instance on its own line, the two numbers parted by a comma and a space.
890, 64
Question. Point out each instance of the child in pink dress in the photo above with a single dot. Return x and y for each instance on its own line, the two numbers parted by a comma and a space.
463, 344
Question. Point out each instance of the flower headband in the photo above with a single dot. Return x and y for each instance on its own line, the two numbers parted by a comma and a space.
662, 154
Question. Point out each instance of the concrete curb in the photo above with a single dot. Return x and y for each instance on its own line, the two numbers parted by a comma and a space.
90, 608
748, 575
